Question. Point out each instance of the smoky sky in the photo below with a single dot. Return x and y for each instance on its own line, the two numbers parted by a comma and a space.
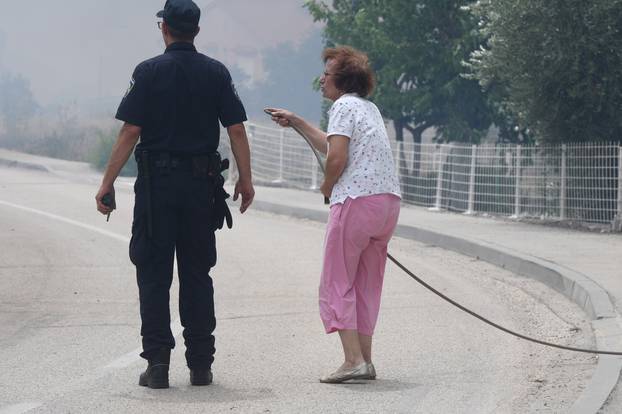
85, 49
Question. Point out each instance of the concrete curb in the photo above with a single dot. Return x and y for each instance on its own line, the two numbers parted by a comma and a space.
20, 164
578, 287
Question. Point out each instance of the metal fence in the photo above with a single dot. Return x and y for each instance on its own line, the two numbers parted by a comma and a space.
578, 182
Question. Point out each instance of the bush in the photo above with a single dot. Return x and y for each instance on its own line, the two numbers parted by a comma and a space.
100, 155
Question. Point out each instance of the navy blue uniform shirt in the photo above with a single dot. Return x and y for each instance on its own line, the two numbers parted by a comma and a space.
178, 99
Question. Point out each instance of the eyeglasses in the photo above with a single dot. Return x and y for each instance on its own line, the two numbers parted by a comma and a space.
329, 74
159, 25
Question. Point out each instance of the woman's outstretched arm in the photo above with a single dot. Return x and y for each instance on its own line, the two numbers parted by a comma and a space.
287, 118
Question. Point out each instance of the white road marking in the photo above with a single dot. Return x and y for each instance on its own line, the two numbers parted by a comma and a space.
121, 362
20, 408
67, 220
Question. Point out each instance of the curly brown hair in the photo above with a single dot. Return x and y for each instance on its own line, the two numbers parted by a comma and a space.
353, 73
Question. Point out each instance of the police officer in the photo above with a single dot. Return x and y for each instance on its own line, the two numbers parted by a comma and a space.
174, 103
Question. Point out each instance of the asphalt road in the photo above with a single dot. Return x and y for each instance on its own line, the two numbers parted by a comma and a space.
69, 324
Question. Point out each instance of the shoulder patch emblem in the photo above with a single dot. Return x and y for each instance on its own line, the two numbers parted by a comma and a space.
130, 87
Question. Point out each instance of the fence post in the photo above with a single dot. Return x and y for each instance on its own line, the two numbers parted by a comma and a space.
281, 143
398, 167
562, 190
314, 168
517, 183
471, 207
402, 167
439, 182
617, 223
396, 158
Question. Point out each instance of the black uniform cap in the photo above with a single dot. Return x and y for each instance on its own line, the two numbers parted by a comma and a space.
181, 15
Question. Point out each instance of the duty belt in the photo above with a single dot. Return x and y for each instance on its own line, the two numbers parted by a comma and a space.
202, 165
206, 166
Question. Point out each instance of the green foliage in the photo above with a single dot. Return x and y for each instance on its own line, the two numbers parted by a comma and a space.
417, 49
554, 65
101, 153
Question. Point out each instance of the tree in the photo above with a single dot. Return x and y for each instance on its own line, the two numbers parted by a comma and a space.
416, 49
17, 104
555, 65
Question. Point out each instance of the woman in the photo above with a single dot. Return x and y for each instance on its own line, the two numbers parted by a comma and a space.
364, 193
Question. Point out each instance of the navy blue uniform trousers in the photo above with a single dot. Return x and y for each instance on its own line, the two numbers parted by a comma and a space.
181, 216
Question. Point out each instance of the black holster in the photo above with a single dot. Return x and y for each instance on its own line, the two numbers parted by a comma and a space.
211, 166
221, 209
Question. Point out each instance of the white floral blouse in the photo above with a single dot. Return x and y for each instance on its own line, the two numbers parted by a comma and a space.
370, 168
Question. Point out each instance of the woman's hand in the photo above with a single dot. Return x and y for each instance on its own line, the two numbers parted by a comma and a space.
283, 117
326, 189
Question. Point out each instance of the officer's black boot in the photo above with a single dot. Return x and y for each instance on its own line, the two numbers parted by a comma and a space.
156, 374
201, 376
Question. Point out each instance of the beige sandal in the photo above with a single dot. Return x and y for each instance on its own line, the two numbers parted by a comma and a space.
360, 371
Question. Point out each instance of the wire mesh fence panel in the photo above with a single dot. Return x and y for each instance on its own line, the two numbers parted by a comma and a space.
592, 189
265, 147
281, 157
495, 180
457, 178
578, 182
540, 182
417, 167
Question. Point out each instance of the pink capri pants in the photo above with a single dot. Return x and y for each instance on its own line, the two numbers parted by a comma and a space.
355, 256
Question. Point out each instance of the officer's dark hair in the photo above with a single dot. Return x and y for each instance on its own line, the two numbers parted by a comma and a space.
183, 36
353, 73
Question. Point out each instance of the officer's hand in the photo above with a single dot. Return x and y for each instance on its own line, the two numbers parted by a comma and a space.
101, 207
246, 190
282, 117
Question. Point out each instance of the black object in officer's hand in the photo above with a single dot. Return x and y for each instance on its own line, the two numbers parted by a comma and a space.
108, 202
